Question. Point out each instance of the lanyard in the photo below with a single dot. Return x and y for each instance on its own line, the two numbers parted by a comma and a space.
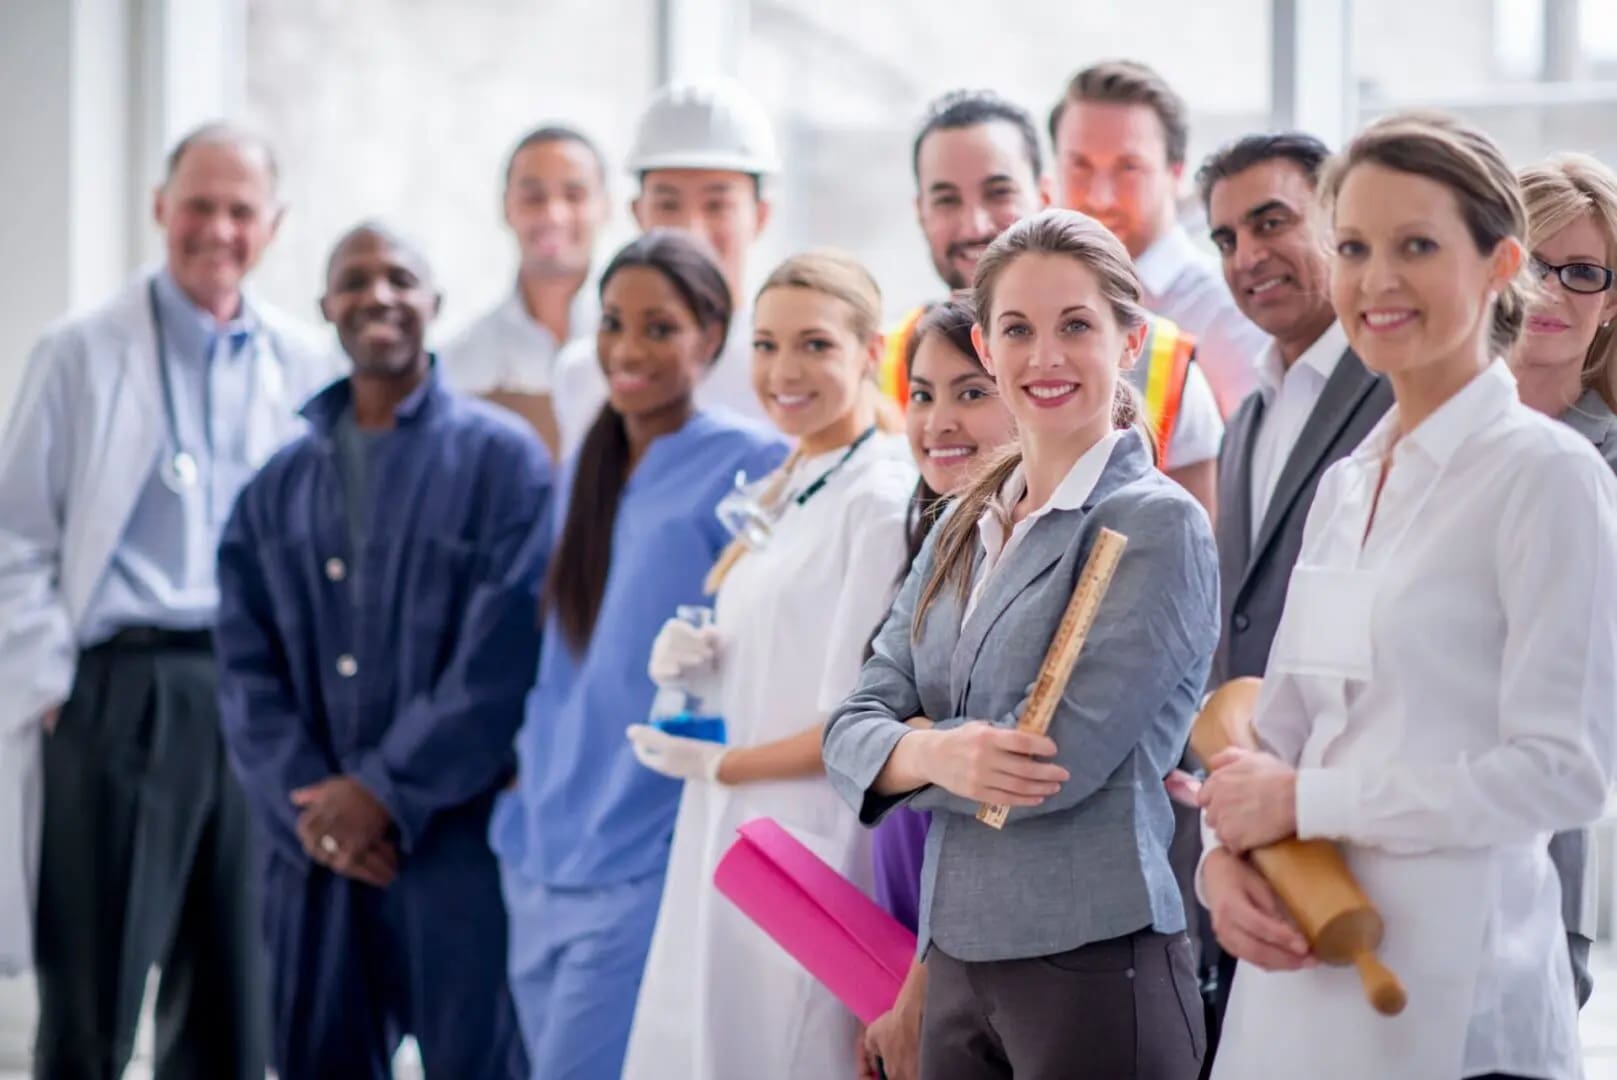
825, 477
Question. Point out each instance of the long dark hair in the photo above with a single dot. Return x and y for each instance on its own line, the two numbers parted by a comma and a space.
578, 571
952, 320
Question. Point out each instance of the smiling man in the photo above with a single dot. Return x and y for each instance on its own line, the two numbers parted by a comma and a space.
1314, 403
134, 427
555, 206
978, 169
377, 636
1120, 133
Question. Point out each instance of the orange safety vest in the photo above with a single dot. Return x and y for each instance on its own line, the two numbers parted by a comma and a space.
893, 375
1159, 375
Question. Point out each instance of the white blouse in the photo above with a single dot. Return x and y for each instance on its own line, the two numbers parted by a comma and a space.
1445, 680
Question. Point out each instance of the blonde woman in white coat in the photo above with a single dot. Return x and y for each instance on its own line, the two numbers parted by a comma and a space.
720, 999
1443, 684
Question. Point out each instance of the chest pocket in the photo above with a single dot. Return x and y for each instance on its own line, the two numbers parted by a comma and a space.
1326, 628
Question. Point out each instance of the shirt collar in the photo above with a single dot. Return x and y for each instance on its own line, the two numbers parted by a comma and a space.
1160, 263
189, 331
326, 408
1477, 404
1071, 494
1319, 358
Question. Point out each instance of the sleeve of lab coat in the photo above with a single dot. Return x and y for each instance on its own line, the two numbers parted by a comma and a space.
451, 744
875, 545
37, 648
1556, 554
864, 728
1144, 662
270, 747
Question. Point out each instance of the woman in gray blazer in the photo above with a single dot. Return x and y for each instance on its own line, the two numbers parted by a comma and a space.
1056, 947
1565, 365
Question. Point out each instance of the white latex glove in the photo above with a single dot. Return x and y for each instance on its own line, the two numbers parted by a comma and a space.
685, 658
675, 755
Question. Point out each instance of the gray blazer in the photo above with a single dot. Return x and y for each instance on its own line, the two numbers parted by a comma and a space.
1592, 418
1254, 571
1090, 863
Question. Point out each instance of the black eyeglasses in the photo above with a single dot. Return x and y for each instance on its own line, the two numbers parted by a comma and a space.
1578, 277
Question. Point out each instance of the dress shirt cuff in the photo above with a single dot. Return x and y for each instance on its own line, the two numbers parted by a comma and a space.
1327, 803
373, 774
1210, 844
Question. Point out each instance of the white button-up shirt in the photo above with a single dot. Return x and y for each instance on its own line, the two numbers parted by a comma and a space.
508, 349
1070, 494
1289, 397
1186, 286
1477, 612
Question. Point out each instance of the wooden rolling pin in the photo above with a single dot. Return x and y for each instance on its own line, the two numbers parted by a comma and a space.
1310, 876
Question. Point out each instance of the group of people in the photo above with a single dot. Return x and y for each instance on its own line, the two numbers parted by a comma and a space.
340, 700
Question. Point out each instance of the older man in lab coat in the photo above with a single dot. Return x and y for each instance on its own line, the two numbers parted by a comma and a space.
134, 428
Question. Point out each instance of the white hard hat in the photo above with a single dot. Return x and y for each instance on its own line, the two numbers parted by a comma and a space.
712, 124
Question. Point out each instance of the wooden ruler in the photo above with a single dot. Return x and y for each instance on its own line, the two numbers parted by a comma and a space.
1063, 652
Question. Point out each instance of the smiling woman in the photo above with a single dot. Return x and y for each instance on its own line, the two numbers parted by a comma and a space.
1059, 319
584, 835
794, 609
1566, 361
1435, 581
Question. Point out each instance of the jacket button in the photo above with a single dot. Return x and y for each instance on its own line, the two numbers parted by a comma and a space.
336, 569
347, 666
1240, 622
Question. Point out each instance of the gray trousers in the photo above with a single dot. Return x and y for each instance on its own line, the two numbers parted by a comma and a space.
147, 859
1123, 1009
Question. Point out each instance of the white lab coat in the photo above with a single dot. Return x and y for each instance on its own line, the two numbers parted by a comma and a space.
1447, 690
85, 432
720, 999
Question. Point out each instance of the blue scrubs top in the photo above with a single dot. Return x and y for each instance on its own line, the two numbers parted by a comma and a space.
585, 813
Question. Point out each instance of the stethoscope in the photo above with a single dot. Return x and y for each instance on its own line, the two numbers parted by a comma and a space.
178, 470
747, 519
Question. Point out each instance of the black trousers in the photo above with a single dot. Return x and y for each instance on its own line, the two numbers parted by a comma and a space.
1123, 1009
147, 859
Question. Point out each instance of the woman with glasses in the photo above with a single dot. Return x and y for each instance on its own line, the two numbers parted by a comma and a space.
1566, 362
1564, 368
796, 602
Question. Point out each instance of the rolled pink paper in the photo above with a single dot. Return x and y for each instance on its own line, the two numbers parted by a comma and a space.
839, 934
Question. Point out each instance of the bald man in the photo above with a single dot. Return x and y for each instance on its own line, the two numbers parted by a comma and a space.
134, 428
378, 631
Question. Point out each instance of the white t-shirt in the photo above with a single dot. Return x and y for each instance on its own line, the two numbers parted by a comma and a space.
1199, 429
1186, 286
507, 349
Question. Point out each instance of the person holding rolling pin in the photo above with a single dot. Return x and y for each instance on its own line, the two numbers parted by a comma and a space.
1059, 942
1442, 692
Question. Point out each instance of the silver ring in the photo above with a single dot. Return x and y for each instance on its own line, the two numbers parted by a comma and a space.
328, 844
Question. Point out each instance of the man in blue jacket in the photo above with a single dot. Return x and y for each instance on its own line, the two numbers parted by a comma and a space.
377, 635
